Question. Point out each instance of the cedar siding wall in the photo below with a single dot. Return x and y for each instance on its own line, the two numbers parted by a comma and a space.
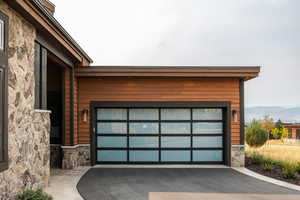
75, 111
67, 106
157, 89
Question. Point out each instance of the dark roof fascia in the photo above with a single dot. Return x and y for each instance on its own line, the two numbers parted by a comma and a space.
245, 73
174, 67
39, 6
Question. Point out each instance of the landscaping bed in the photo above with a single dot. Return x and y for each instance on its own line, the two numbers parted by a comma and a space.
273, 170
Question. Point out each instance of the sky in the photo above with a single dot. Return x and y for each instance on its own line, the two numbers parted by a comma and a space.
262, 33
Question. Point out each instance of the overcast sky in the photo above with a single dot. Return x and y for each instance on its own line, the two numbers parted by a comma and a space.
195, 32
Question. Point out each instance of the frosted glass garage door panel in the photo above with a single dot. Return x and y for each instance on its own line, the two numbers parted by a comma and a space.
143, 128
175, 128
207, 128
111, 127
207, 114
143, 142
144, 156
143, 114
175, 114
208, 156
176, 142
111, 156
112, 142
175, 156
208, 142
111, 114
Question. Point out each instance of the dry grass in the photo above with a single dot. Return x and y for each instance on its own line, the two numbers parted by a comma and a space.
279, 142
278, 153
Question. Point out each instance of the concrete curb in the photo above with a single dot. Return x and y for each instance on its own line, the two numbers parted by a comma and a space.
266, 179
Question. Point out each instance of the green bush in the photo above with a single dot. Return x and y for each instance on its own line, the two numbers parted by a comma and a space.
268, 166
298, 167
34, 195
289, 170
257, 158
256, 135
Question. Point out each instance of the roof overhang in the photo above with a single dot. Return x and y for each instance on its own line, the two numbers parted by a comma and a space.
35, 13
291, 125
245, 73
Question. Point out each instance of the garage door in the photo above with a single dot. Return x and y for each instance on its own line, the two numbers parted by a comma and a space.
159, 135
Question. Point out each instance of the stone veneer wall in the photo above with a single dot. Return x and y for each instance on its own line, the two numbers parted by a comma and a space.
74, 156
238, 156
28, 129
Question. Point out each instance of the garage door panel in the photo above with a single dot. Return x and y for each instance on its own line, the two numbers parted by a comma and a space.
175, 128
143, 156
111, 114
111, 142
146, 142
143, 114
176, 142
207, 142
112, 128
175, 156
112, 155
207, 128
143, 128
175, 114
208, 155
207, 114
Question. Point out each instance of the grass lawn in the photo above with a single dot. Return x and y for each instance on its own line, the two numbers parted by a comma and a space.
279, 142
277, 153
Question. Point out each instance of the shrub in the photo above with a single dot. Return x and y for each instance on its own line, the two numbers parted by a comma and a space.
34, 195
268, 166
257, 158
298, 167
289, 170
256, 136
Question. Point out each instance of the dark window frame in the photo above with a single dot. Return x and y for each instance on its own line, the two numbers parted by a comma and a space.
40, 72
226, 107
4, 96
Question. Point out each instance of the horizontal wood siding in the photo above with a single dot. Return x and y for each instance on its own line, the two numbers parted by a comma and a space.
67, 105
157, 89
75, 111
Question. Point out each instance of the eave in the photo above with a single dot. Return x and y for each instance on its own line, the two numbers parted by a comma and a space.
245, 73
36, 14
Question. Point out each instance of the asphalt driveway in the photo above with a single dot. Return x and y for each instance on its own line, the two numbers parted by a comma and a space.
138, 183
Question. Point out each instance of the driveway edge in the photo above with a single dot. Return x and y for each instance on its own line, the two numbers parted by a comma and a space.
248, 172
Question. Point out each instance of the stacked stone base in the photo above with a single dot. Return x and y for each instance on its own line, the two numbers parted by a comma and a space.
238, 156
75, 156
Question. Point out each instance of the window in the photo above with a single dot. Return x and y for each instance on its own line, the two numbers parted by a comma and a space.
3, 91
40, 77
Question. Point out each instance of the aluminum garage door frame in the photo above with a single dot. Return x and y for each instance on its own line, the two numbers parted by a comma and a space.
225, 106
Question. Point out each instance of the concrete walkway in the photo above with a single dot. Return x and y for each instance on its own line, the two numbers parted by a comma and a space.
63, 183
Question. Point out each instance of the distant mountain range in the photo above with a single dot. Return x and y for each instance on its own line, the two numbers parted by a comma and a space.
282, 113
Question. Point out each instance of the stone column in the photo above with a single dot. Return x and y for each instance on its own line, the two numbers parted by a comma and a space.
237, 155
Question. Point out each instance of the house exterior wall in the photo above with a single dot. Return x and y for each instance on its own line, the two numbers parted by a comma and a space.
67, 95
28, 129
162, 89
